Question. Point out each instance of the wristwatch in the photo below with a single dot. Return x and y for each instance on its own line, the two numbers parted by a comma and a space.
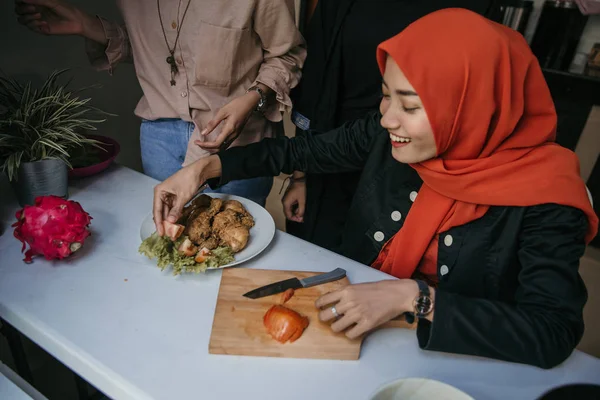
262, 103
423, 303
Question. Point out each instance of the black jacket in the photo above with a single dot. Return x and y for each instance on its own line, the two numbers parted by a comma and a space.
509, 286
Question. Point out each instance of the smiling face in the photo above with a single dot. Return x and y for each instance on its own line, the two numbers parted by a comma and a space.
405, 119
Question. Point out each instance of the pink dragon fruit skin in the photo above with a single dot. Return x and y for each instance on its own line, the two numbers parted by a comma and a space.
53, 227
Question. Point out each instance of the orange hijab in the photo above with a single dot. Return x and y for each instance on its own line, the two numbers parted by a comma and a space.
494, 125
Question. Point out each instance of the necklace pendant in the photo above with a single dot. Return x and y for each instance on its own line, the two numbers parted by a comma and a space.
173, 82
171, 60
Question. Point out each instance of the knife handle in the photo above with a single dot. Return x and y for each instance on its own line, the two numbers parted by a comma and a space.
334, 275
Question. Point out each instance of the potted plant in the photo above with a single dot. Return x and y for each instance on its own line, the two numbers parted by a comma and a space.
39, 130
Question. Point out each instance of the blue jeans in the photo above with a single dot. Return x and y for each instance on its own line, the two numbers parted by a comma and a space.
164, 143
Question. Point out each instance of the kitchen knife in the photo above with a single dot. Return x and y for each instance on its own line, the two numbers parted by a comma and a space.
295, 283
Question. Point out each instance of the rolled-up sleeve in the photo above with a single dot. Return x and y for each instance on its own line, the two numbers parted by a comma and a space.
118, 48
284, 51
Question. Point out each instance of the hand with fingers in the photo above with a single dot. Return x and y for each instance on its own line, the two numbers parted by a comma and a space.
171, 195
50, 17
232, 118
358, 309
294, 201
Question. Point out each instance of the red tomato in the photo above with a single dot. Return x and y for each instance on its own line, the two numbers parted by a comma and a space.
287, 295
284, 324
173, 231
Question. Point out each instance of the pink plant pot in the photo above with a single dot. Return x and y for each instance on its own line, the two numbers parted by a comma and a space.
112, 150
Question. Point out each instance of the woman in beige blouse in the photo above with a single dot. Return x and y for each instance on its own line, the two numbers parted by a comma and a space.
215, 73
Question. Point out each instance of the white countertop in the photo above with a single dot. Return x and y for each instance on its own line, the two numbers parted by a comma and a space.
8, 390
135, 332
13, 387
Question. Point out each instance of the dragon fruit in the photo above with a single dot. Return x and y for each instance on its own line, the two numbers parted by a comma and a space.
53, 227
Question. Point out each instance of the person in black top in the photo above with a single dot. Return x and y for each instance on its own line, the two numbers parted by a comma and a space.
464, 196
341, 82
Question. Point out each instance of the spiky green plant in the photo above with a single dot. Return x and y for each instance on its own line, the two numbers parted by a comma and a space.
42, 123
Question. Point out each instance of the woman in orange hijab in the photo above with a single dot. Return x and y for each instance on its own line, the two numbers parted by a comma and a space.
464, 196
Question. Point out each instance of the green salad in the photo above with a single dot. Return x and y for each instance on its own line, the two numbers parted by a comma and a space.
165, 251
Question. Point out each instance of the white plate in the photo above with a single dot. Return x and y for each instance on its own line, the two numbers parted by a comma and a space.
261, 234
419, 389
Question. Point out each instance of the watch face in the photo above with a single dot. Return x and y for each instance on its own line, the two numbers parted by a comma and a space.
423, 305
261, 105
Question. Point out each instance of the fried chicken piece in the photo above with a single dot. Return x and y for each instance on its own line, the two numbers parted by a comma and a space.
215, 206
225, 219
247, 220
236, 237
200, 202
211, 243
232, 225
229, 218
199, 229
236, 206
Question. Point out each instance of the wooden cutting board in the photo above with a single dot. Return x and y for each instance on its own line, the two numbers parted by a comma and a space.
238, 323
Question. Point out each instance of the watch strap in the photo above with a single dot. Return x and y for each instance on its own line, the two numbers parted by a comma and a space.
423, 302
423, 288
262, 103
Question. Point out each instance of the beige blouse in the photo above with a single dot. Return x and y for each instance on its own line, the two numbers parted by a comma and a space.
224, 47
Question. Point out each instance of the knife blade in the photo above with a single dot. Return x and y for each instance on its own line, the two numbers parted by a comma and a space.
295, 283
